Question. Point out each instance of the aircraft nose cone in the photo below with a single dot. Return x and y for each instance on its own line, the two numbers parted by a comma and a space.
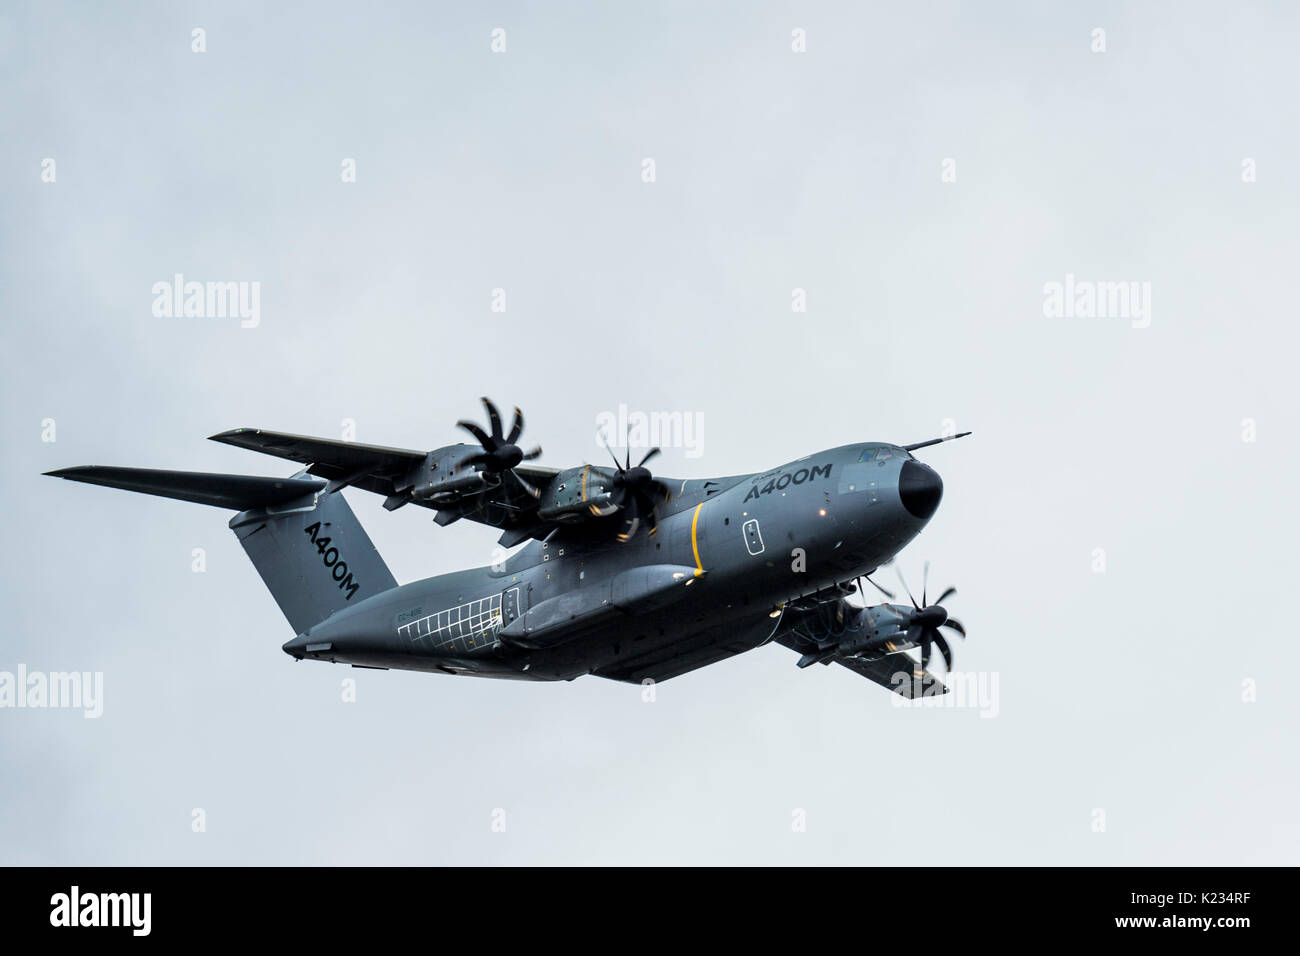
920, 489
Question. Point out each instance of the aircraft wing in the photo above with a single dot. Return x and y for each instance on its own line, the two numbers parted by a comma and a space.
885, 671
370, 467
379, 465
390, 472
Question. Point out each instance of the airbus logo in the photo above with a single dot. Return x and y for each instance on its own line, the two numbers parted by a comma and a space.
788, 478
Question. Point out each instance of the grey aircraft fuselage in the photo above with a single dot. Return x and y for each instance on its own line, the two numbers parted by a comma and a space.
728, 555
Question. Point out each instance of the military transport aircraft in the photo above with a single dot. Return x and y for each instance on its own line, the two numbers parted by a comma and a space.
625, 575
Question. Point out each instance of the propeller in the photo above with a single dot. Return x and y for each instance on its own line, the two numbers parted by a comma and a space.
923, 625
500, 454
636, 493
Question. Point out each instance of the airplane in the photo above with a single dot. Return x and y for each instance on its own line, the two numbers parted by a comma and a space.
625, 575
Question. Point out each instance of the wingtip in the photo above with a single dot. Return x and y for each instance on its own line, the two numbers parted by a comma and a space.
227, 435
74, 473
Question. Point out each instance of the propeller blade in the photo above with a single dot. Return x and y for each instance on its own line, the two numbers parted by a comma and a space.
945, 595
645, 508
899, 572
888, 594
632, 522
517, 428
479, 434
494, 417
955, 624
944, 649
925, 584
648, 455
535, 453
925, 650
527, 486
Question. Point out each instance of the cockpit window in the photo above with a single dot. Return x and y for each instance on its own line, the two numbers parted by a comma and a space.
879, 453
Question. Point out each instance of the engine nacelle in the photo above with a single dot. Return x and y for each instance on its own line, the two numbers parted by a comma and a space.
875, 632
443, 473
577, 493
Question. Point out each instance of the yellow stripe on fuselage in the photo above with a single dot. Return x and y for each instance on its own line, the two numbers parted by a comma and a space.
695, 541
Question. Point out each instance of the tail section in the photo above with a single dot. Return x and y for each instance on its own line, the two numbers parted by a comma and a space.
305, 542
314, 556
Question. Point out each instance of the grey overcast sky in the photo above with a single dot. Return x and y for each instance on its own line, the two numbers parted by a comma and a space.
1155, 695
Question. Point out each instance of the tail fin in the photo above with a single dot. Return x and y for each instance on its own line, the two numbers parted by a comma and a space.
305, 542
314, 556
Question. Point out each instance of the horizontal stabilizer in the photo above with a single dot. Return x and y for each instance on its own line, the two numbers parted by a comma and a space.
236, 492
